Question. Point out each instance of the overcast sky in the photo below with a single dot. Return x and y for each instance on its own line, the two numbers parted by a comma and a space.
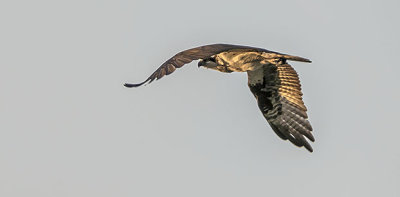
69, 128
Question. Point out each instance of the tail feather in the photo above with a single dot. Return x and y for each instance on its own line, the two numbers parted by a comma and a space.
296, 58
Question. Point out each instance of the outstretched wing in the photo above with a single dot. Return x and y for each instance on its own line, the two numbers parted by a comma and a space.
189, 55
183, 58
278, 92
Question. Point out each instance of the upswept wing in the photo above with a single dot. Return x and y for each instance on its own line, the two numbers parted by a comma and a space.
279, 97
202, 52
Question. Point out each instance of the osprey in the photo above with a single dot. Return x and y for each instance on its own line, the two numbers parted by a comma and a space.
273, 82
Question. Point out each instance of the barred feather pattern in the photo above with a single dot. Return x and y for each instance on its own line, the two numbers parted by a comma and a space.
279, 98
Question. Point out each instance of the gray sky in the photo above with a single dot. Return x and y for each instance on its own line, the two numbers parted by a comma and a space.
69, 128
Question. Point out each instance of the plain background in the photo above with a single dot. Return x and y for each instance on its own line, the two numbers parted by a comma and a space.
69, 128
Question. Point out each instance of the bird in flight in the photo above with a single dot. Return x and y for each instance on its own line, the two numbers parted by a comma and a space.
273, 82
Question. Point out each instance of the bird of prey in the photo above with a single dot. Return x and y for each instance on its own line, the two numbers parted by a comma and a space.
273, 82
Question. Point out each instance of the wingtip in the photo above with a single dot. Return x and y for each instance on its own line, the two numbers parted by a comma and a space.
129, 85
309, 136
308, 147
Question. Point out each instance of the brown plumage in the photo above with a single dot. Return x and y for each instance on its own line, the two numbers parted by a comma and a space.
274, 83
203, 52
279, 99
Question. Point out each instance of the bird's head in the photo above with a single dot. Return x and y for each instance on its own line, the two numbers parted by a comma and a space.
207, 63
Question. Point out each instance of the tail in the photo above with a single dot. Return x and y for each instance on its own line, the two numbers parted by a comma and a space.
274, 55
296, 58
